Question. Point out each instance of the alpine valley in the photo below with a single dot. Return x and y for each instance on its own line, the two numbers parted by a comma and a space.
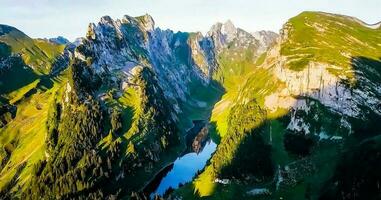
116, 113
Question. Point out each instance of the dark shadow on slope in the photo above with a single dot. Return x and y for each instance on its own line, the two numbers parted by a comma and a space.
45, 82
298, 143
368, 69
155, 182
14, 73
5, 50
252, 159
313, 165
247, 152
214, 133
358, 174
5, 29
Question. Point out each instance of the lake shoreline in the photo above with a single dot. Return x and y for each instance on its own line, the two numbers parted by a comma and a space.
183, 169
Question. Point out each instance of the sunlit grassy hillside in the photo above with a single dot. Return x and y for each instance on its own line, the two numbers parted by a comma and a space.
309, 37
328, 38
37, 53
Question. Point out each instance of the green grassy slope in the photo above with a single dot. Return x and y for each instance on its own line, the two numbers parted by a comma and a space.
25, 85
244, 83
24, 137
14, 74
328, 38
37, 53
114, 146
236, 65
308, 37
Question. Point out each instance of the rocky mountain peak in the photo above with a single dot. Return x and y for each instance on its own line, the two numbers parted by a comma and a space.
91, 31
229, 29
107, 25
106, 20
311, 87
59, 40
147, 22
265, 38
223, 33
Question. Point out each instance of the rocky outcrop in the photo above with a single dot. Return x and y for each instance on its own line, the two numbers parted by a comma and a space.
266, 39
203, 54
59, 40
317, 81
178, 59
225, 34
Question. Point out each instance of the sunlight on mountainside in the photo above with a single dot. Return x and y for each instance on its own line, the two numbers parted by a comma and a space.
37, 53
306, 38
26, 134
113, 114
328, 38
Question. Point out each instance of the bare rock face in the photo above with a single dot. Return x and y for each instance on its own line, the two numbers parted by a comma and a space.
178, 59
266, 39
317, 82
229, 30
116, 47
147, 22
199, 141
203, 54
226, 34
223, 33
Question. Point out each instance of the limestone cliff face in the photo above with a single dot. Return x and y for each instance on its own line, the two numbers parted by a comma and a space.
316, 81
116, 47
203, 54
179, 60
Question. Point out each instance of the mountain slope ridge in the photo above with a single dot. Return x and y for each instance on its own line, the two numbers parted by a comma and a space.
289, 104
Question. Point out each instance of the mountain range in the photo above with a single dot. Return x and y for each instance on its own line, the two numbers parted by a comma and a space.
295, 115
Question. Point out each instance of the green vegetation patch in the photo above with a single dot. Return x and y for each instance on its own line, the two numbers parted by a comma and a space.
328, 38
37, 53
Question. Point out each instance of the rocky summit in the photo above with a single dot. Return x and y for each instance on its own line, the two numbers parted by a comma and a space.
132, 111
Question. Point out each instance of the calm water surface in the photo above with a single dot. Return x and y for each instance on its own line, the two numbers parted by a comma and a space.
185, 168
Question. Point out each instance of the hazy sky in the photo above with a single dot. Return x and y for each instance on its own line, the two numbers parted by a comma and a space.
69, 18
